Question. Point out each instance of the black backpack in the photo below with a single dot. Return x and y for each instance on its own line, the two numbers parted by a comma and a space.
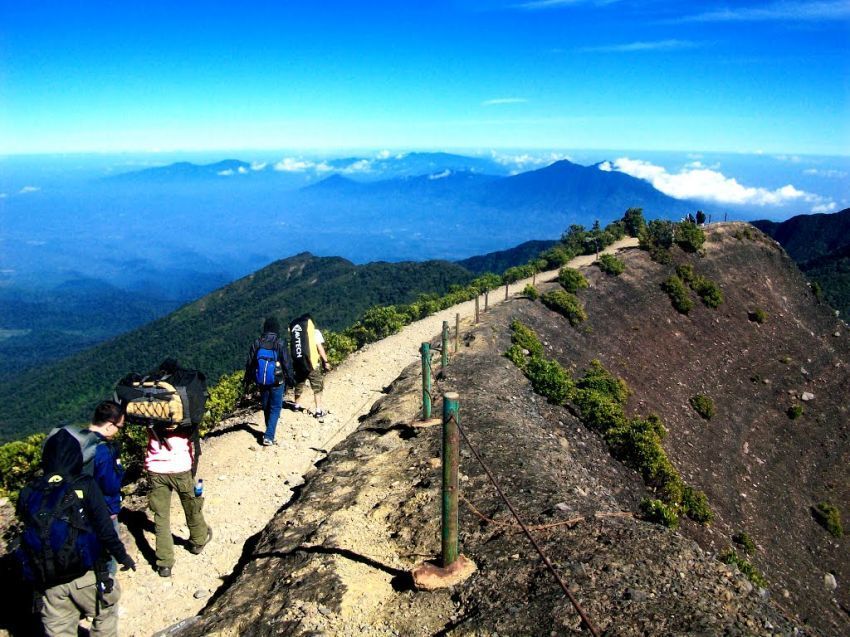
164, 399
58, 543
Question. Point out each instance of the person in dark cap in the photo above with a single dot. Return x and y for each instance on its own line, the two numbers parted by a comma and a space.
70, 588
269, 367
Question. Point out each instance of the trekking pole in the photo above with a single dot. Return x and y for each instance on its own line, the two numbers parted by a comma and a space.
451, 443
476, 309
457, 332
426, 380
444, 352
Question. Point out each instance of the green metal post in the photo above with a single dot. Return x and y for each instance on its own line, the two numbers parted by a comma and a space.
451, 444
506, 291
426, 381
534, 277
476, 309
457, 333
486, 300
444, 358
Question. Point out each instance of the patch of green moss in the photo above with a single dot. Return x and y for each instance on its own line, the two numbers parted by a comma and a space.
742, 539
566, 305
571, 280
531, 292
703, 405
678, 293
610, 264
751, 572
660, 513
829, 517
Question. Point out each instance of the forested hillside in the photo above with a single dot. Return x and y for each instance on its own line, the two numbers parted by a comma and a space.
213, 333
501, 260
820, 244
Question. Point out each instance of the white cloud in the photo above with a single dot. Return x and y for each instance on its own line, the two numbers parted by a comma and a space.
3, 195
825, 207
360, 166
441, 175
28, 189
258, 165
527, 160
384, 154
697, 182
779, 11
793, 159
830, 173
504, 100
292, 165
225, 173
698, 164
243, 170
323, 167
632, 47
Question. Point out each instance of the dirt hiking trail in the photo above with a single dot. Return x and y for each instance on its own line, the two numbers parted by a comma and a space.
246, 483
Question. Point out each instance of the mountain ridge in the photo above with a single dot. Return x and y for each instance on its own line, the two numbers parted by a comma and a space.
762, 471
214, 332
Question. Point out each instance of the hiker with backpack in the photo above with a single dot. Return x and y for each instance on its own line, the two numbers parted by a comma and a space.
67, 539
270, 369
107, 422
171, 455
310, 361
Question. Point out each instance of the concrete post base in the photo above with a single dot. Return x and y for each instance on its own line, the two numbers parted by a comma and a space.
429, 577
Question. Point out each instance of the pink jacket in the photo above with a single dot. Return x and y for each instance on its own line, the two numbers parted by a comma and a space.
159, 459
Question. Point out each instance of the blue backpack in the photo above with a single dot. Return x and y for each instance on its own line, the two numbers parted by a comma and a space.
58, 544
267, 368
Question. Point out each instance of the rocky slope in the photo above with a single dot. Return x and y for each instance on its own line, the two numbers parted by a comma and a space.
336, 560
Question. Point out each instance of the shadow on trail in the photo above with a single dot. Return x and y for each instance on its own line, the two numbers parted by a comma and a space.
239, 426
137, 523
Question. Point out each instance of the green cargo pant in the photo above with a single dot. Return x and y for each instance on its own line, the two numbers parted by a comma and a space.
64, 605
159, 500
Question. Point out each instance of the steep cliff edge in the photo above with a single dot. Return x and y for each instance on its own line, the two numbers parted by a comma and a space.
336, 559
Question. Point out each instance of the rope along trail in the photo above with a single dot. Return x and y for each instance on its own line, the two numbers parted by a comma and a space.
246, 484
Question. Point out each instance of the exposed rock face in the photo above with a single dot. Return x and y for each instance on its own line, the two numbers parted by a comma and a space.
336, 561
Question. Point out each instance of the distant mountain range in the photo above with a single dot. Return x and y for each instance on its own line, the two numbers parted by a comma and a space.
361, 168
168, 235
820, 244
562, 191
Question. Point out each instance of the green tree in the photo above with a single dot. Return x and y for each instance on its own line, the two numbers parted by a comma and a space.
573, 239
689, 236
634, 221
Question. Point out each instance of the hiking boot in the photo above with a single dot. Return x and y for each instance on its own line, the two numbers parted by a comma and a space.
164, 571
297, 407
196, 550
320, 414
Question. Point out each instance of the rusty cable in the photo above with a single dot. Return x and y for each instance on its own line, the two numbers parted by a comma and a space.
528, 534
551, 525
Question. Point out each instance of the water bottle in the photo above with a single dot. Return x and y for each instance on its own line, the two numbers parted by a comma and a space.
199, 488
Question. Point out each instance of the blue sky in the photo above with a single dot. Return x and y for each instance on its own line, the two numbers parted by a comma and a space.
737, 76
